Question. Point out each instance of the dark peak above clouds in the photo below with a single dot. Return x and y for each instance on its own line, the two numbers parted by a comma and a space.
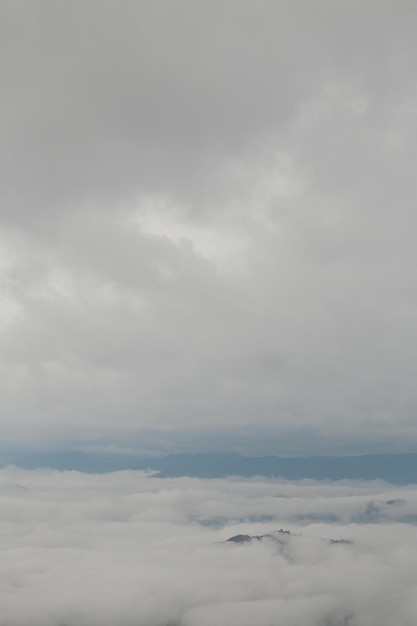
248, 538
280, 537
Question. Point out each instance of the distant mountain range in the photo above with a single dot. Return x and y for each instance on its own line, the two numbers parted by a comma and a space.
394, 468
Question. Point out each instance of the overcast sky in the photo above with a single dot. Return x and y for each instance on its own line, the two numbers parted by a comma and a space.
208, 224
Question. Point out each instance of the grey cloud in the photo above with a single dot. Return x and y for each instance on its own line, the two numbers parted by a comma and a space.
207, 222
105, 100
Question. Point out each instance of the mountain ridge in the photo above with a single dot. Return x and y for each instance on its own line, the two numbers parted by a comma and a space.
397, 468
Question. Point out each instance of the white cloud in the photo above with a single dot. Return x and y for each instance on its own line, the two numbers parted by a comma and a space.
220, 244
129, 548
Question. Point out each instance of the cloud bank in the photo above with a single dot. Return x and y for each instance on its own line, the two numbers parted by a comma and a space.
129, 548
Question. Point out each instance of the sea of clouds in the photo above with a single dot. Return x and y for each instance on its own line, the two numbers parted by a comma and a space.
129, 548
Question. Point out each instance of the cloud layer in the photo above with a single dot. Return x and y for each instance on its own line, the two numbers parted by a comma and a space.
129, 548
207, 220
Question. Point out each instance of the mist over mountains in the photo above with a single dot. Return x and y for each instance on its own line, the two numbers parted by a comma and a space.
132, 549
208, 243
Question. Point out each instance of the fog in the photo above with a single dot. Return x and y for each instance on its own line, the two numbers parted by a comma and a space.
131, 549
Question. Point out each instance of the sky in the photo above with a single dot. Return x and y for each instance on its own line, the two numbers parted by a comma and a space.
130, 548
207, 225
